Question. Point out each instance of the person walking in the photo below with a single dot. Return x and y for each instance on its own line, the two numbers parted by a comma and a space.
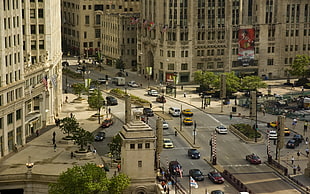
292, 160
294, 169
184, 94
55, 146
307, 152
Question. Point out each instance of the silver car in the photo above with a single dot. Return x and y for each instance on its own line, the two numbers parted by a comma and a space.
221, 129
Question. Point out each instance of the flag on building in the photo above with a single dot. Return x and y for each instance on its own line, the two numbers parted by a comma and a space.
165, 27
44, 81
134, 20
54, 80
151, 26
144, 24
193, 183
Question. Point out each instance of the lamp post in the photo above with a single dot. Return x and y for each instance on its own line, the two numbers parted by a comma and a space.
181, 119
175, 76
194, 132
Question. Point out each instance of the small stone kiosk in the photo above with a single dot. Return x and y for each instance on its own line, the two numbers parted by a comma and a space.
138, 153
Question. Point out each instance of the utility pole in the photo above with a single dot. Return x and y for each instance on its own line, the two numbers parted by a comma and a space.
253, 111
280, 135
223, 90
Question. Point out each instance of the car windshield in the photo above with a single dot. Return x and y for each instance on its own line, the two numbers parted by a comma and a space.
167, 141
107, 121
255, 157
197, 172
216, 174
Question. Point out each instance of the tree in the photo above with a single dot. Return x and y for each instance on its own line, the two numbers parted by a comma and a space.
82, 137
119, 64
78, 88
89, 179
115, 146
300, 66
205, 79
68, 125
252, 83
95, 99
232, 83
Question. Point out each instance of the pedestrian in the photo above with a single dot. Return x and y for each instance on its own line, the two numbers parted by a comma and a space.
54, 134
298, 154
126, 73
294, 169
109, 110
72, 155
55, 146
118, 167
151, 105
181, 87
307, 138
66, 99
37, 132
298, 169
71, 115
264, 112
94, 151
176, 133
184, 94
230, 116
54, 140
293, 159
307, 152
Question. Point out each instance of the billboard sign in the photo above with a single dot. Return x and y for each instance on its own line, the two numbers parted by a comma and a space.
246, 39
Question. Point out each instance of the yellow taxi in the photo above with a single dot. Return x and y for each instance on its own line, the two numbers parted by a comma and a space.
287, 131
188, 121
274, 124
187, 112
167, 143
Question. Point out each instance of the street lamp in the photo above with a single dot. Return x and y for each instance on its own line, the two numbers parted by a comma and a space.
175, 76
194, 133
181, 119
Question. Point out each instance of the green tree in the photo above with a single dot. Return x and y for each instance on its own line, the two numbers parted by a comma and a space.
206, 80
300, 66
232, 83
115, 146
88, 179
119, 183
68, 125
252, 83
78, 88
82, 137
119, 64
95, 99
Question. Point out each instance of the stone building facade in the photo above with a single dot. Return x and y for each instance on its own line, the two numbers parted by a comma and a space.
30, 73
181, 37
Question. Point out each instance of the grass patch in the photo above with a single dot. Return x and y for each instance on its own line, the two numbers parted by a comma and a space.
247, 130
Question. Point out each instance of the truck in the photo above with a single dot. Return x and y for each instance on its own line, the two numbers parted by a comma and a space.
119, 81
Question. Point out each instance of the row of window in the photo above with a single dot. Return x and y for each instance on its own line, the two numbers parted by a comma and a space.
9, 41
10, 79
11, 22
10, 118
12, 59
139, 146
11, 96
7, 4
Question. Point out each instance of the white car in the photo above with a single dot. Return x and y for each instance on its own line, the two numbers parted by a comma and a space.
165, 125
152, 92
221, 129
133, 84
168, 143
273, 135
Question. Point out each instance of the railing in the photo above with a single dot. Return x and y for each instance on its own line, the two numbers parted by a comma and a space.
235, 182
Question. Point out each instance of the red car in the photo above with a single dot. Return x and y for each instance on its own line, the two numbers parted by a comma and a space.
253, 159
161, 99
107, 123
216, 177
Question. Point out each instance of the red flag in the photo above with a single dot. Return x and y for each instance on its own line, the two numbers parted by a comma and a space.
44, 81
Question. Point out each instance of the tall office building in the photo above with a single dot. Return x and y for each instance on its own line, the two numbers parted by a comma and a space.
30, 73
101, 29
179, 37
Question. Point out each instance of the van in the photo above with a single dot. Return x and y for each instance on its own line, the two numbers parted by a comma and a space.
174, 111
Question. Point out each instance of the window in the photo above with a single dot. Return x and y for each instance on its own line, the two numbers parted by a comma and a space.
41, 44
97, 33
199, 65
10, 118
184, 66
33, 45
86, 19
40, 13
170, 66
147, 145
18, 114
139, 145
269, 61
1, 123
132, 146
33, 29
220, 65
139, 163
41, 29
85, 34
32, 13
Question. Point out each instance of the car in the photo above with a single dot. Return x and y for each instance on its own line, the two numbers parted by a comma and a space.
272, 124
152, 92
100, 136
287, 131
102, 81
175, 168
161, 99
187, 112
221, 129
175, 112
253, 159
107, 123
215, 177
292, 143
298, 138
188, 121
196, 174
217, 192
111, 100
165, 125
133, 84
273, 135
193, 153
168, 143
148, 112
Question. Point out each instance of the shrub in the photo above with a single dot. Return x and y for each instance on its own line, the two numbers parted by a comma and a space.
247, 130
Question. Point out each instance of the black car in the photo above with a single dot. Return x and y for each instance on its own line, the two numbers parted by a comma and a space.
196, 174
217, 192
298, 138
292, 143
193, 153
175, 168
148, 112
100, 136
111, 100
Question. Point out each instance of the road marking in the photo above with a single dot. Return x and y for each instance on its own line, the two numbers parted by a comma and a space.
238, 165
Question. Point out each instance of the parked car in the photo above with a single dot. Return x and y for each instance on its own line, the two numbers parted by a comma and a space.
133, 84
253, 159
193, 153
161, 99
107, 123
168, 143
111, 100
165, 125
100, 136
196, 174
221, 129
188, 121
298, 138
175, 168
148, 112
152, 92
187, 112
216, 177
174, 111
273, 135
217, 192
292, 143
